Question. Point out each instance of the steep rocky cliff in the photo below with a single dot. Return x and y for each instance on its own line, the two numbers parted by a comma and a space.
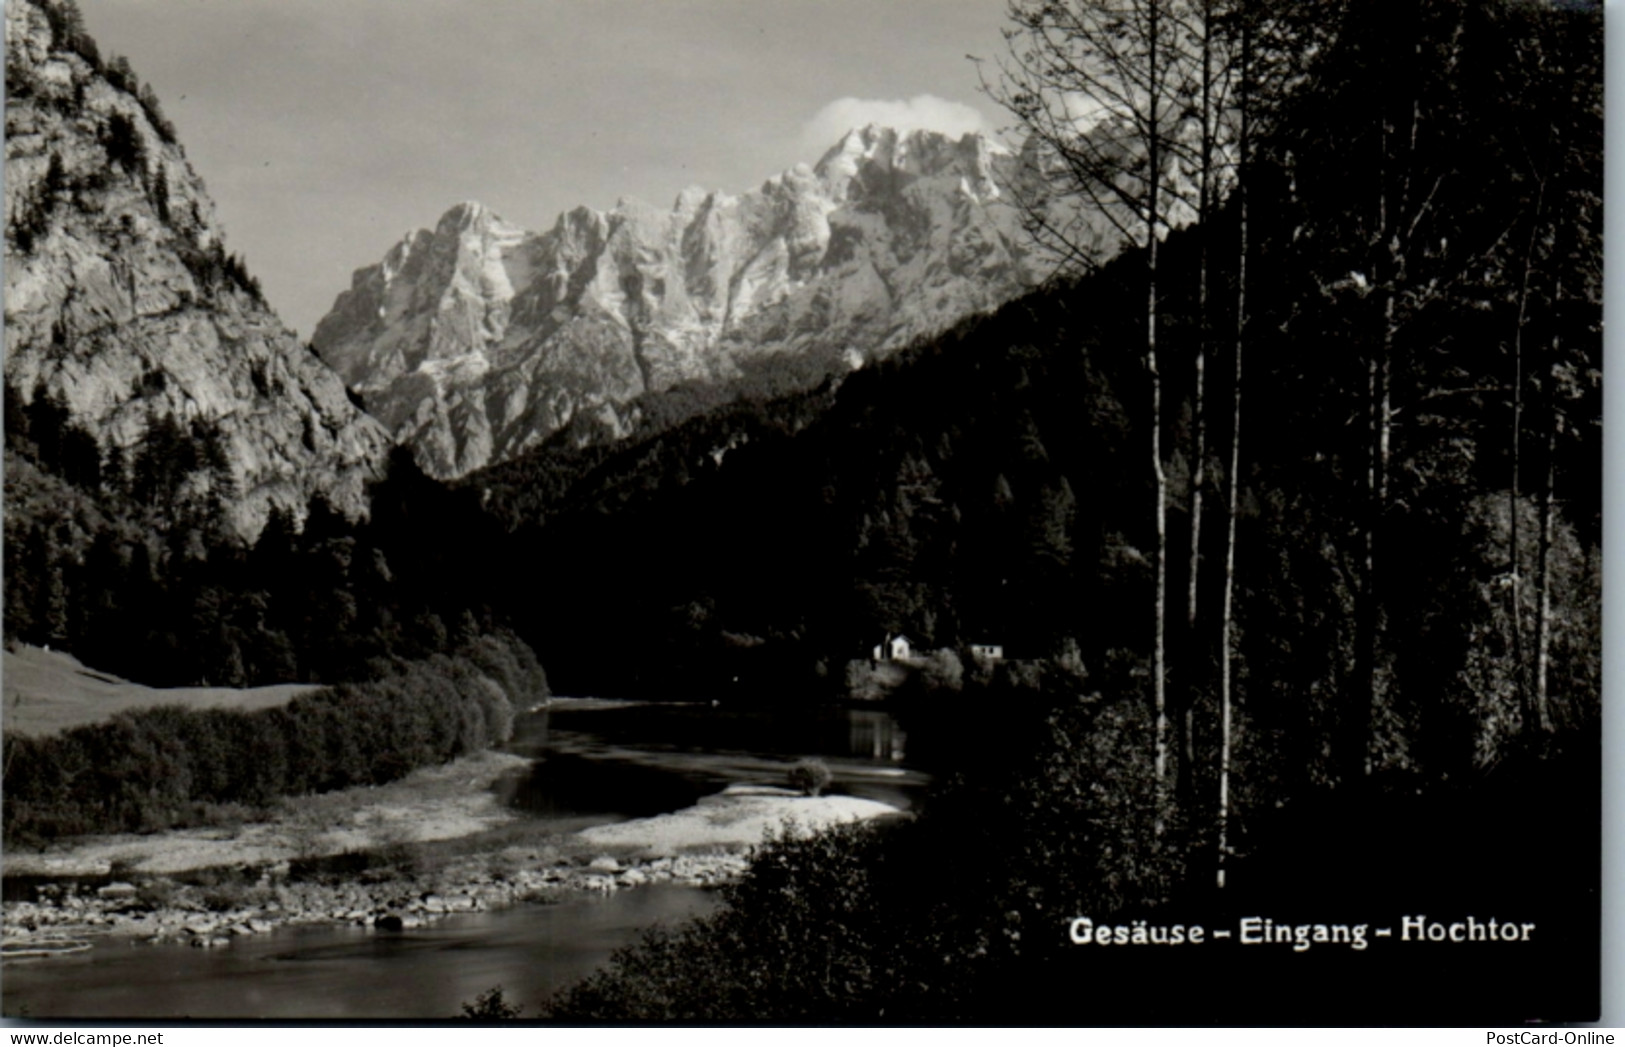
474, 341
120, 298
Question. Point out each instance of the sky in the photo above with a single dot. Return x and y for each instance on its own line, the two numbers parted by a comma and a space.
327, 129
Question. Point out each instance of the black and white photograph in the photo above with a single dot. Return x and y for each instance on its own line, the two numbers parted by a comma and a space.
808, 512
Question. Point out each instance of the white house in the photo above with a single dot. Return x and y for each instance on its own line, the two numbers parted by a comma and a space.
893, 649
987, 652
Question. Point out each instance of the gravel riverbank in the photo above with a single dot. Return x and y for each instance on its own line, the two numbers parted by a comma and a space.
701, 846
161, 910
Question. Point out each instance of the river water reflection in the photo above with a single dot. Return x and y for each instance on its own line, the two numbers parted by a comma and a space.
351, 972
592, 762
621, 759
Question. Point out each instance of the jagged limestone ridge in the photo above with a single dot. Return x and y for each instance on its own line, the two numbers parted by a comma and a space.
474, 341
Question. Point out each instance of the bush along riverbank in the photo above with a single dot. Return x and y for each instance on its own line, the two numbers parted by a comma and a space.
169, 767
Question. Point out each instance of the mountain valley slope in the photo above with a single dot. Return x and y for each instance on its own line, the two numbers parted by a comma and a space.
122, 304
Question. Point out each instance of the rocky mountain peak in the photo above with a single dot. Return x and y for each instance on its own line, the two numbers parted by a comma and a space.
468, 215
917, 153
474, 342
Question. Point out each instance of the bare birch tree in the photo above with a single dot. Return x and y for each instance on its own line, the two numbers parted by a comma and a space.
1101, 88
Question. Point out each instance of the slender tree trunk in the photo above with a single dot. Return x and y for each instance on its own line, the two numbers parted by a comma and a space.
1393, 204
1354, 733
1192, 653
1520, 672
1381, 420
1515, 588
1543, 615
1227, 654
1233, 473
1159, 652
1357, 730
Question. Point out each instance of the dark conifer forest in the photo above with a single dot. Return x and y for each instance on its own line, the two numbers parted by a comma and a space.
1385, 657
1288, 520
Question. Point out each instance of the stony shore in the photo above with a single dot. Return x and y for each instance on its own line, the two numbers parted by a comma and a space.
701, 846
160, 910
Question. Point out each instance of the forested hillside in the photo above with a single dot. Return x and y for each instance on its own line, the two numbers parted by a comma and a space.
1312, 485
928, 495
190, 496
995, 485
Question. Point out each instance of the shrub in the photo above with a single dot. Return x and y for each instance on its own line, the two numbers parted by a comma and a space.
159, 768
942, 671
224, 898
155, 894
396, 849
810, 777
868, 681
490, 1006
801, 939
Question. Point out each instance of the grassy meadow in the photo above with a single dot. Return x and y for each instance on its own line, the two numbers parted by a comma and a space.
49, 691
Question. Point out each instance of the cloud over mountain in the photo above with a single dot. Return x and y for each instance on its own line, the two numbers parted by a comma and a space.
925, 112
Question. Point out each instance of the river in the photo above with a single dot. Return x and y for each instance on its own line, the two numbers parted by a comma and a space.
592, 763
350, 972
607, 760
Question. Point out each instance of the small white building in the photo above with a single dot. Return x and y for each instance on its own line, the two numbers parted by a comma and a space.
987, 652
893, 649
